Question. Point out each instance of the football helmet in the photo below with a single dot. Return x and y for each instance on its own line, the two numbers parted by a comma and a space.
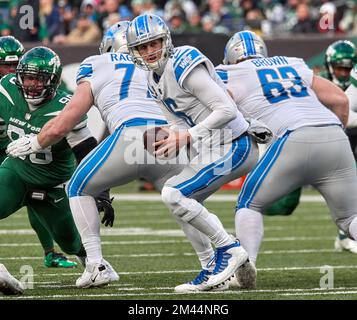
11, 50
340, 54
243, 45
146, 28
114, 39
44, 65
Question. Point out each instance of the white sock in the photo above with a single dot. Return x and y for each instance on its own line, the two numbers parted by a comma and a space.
250, 231
352, 229
211, 226
86, 217
200, 242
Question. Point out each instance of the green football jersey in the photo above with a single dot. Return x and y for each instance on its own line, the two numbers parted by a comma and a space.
55, 164
353, 76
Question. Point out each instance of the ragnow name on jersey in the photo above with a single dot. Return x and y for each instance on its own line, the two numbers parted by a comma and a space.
114, 78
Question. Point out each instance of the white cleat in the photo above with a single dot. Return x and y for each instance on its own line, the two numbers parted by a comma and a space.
246, 276
112, 273
8, 284
199, 284
346, 244
227, 260
94, 275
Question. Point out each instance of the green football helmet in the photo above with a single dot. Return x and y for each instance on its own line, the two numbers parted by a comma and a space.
340, 57
38, 74
11, 50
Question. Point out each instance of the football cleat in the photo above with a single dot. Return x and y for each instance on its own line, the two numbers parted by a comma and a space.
8, 284
199, 284
112, 273
58, 260
246, 276
94, 275
345, 244
227, 260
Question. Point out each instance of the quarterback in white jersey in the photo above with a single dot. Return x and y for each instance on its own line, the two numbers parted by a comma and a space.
119, 90
184, 83
310, 146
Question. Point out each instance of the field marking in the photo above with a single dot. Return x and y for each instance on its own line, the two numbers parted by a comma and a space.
281, 292
155, 255
133, 273
161, 232
214, 198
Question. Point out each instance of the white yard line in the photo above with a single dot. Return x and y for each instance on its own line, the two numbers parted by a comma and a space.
282, 292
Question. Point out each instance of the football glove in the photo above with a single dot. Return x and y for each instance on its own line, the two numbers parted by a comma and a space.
104, 204
23, 146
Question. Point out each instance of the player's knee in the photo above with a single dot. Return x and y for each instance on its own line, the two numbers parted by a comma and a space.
182, 207
171, 197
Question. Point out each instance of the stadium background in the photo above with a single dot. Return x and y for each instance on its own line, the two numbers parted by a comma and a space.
146, 245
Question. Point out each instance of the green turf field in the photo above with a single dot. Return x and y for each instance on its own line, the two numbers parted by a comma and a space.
152, 256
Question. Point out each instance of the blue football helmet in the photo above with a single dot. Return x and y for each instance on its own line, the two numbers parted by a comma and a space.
146, 28
114, 39
243, 45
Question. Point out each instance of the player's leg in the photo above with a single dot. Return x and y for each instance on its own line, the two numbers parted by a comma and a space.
338, 182
286, 205
52, 259
265, 184
12, 192
180, 194
55, 215
110, 164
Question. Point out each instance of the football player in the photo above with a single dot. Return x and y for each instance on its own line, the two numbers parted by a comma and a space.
340, 57
11, 51
111, 82
307, 114
194, 99
29, 100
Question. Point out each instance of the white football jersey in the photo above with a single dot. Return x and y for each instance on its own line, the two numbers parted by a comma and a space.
277, 91
181, 107
119, 89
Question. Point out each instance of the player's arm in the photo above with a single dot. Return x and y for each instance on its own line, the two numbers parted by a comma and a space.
58, 127
224, 110
332, 97
69, 117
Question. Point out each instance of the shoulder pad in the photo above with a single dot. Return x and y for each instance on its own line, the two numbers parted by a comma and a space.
184, 60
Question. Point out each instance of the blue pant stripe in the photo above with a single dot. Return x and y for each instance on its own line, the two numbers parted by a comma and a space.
257, 176
88, 169
91, 164
206, 176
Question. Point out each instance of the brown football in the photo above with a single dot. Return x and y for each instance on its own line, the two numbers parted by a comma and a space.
153, 135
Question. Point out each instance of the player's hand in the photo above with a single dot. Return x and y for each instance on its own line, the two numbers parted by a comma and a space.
104, 204
169, 148
23, 146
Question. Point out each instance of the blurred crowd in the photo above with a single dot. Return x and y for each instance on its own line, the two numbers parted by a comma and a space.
84, 21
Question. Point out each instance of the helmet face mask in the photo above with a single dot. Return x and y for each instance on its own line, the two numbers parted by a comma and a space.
143, 30
114, 39
38, 75
340, 57
244, 45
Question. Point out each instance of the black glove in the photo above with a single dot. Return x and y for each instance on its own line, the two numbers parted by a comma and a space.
104, 204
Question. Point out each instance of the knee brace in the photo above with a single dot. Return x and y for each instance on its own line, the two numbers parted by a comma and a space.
183, 208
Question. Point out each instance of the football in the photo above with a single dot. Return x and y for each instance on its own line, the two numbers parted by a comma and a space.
153, 135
